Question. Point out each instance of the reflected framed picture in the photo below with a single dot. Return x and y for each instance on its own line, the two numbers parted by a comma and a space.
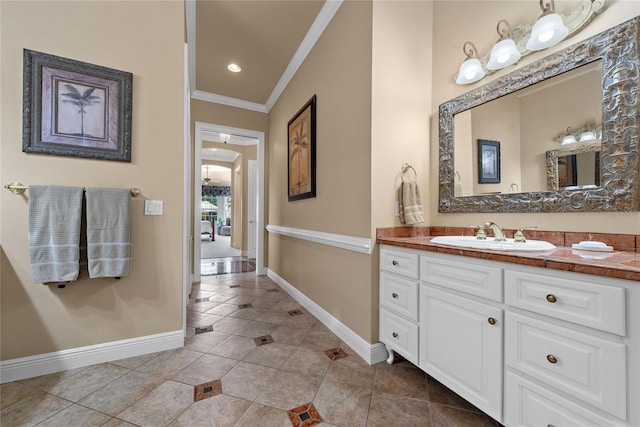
75, 109
488, 161
568, 171
301, 142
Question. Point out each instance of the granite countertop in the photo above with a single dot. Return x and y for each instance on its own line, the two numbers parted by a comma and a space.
619, 264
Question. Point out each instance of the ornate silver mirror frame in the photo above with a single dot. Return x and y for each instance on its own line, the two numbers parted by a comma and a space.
620, 155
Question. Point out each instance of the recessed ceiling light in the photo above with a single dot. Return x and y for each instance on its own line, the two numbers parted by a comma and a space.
235, 68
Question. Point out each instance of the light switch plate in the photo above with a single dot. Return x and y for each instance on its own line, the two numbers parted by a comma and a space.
153, 207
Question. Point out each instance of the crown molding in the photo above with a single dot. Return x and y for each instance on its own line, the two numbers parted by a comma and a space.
227, 100
315, 31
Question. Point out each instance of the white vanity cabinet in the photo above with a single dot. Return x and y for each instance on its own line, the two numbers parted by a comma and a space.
462, 329
399, 302
527, 345
567, 350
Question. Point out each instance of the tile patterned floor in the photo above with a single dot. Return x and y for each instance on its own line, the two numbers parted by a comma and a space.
270, 363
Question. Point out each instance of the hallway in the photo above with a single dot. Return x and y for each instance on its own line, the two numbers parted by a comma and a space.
253, 357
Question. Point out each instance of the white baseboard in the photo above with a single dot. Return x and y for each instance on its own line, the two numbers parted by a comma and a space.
48, 363
371, 353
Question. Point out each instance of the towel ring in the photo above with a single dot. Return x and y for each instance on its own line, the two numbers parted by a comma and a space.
405, 168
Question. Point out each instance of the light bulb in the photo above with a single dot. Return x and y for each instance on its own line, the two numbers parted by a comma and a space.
546, 36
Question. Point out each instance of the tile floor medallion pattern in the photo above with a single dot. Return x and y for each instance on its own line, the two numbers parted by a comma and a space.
305, 415
223, 377
207, 390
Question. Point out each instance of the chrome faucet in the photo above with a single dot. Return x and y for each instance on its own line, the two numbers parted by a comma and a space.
497, 231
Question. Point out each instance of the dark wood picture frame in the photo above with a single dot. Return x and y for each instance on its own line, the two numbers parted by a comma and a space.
301, 153
488, 161
568, 171
75, 109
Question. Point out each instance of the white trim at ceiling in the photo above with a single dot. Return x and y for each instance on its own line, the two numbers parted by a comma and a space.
315, 31
325, 16
227, 100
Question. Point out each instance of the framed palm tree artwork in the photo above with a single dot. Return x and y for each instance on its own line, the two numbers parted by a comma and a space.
301, 137
76, 109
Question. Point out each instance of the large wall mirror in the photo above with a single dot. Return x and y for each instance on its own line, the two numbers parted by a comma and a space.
567, 128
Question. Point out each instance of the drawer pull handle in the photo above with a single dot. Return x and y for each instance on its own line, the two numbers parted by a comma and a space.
394, 295
394, 262
491, 321
551, 358
551, 298
395, 334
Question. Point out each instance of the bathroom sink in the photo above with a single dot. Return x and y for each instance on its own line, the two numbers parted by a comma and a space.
491, 244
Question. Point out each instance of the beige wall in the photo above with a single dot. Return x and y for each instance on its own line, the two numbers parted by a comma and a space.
37, 318
460, 21
371, 79
401, 102
338, 71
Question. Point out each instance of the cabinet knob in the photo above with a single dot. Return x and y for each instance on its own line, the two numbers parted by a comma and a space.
551, 358
551, 298
395, 334
394, 295
394, 262
491, 321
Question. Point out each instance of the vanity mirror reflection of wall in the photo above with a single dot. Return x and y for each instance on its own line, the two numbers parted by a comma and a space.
528, 122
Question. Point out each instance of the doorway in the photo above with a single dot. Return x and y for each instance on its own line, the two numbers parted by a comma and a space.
205, 132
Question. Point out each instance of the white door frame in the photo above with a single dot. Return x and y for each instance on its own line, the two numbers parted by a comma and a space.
252, 203
186, 212
201, 128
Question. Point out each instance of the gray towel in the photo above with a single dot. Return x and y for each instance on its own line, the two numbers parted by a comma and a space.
54, 233
411, 203
108, 232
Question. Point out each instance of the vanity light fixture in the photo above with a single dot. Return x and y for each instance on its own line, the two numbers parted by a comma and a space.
225, 137
504, 52
569, 138
234, 68
471, 70
548, 30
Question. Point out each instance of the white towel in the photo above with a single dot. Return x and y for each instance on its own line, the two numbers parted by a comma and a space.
108, 232
54, 233
411, 212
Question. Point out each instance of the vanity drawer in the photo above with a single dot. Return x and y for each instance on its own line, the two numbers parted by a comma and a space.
466, 275
399, 295
400, 262
575, 300
528, 404
400, 335
587, 367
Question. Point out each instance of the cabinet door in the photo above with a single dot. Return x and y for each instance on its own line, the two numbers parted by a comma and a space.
528, 404
461, 345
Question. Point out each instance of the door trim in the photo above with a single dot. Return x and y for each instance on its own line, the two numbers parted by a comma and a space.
201, 128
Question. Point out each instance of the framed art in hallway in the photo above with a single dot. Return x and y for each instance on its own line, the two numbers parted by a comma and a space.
488, 161
75, 109
301, 162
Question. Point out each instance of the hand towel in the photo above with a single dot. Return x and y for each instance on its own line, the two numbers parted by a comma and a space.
54, 232
108, 232
400, 205
412, 204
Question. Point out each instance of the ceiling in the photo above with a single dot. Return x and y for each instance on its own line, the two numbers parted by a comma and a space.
268, 39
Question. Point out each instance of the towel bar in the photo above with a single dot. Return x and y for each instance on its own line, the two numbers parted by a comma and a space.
19, 188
